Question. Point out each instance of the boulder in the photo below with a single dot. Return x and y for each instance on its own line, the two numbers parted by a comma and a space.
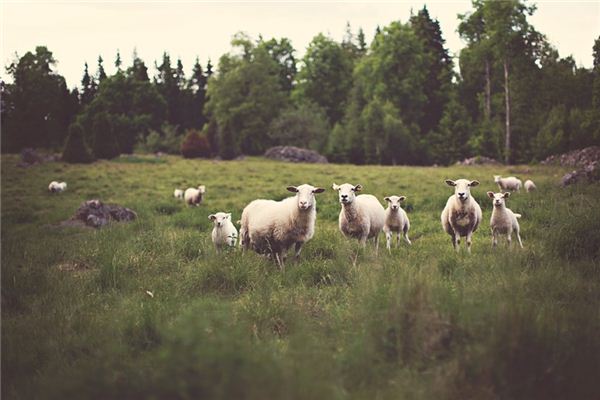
96, 214
295, 154
588, 161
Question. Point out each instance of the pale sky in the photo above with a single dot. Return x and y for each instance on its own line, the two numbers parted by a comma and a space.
78, 31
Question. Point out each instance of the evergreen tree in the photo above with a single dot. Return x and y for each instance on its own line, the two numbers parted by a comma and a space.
209, 69
138, 69
88, 87
197, 88
362, 44
76, 150
118, 62
101, 72
105, 141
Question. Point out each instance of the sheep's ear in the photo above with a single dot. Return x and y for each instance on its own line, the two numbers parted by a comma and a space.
212, 217
202, 188
474, 183
450, 182
387, 199
357, 188
293, 189
506, 195
402, 198
490, 195
335, 187
229, 215
318, 190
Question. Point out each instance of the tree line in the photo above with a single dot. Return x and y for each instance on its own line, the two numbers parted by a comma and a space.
396, 100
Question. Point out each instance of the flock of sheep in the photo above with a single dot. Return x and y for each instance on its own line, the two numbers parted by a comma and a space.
272, 227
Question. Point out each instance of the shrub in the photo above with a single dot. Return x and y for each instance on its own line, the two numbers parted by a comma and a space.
76, 150
105, 141
166, 140
195, 145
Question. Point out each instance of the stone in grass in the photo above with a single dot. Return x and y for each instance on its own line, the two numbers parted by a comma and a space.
95, 214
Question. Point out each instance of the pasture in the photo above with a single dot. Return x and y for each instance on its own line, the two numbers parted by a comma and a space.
343, 323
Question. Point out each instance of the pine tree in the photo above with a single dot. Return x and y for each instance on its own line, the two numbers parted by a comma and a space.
362, 44
118, 62
105, 141
138, 70
101, 72
197, 87
88, 87
76, 150
209, 69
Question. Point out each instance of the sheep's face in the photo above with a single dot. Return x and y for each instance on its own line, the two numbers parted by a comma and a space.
394, 202
202, 189
347, 192
497, 178
498, 199
219, 219
462, 188
305, 194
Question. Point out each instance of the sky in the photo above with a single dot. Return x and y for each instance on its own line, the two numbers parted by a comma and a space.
79, 31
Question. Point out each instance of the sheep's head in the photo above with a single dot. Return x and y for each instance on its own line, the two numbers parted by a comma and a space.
305, 194
346, 192
219, 218
394, 201
497, 178
498, 199
202, 189
462, 188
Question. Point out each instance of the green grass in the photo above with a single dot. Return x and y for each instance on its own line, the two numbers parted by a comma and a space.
423, 322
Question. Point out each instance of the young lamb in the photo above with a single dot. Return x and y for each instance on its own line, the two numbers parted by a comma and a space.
272, 227
194, 196
224, 232
361, 217
503, 220
178, 194
505, 184
529, 186
396, 220
462, 215
56, 187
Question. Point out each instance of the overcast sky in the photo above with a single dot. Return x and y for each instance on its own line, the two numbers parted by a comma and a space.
78, 31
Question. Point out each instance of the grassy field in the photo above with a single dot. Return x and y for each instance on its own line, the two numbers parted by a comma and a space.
423, 322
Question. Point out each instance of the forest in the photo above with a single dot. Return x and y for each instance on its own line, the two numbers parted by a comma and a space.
400, 99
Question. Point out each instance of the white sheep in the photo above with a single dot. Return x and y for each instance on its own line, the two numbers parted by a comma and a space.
194, 196
396, 221
178, 194
361, 217
272, 227
511, 183
224, 232
504, 220
461, 215
56, 187
529, 186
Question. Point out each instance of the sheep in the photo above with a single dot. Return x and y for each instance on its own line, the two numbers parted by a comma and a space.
194, 196
361, 217
224, 232
505, 184
529, 186
504, 220
461, 215
178, 194
272, 227
56, 187
396, 220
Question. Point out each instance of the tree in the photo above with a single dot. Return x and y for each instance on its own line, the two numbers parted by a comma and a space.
118, 62
168, 85
105, 144
451, 141
101, 75
305, 126
195, 145
282, 52
196, 88
88, 87
76, 149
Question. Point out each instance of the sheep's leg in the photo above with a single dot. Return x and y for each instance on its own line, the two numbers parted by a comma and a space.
469, 241
279, 259
377, 245
494, 238
455, 241
298, 249
509, 239
398, 234
406, 237
519, 239
388, 240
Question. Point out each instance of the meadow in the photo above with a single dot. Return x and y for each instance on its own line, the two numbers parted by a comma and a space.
343, 323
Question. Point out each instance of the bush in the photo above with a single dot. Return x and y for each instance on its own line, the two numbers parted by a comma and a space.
105, 141
76, 150
165, 140
195, 145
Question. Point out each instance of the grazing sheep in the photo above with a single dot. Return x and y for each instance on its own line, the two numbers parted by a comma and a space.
178, 194
361, 217
194, 196
511, 183
529, 186
396, 220
272, 227
503, 220
462, 215
56, 187
224, 232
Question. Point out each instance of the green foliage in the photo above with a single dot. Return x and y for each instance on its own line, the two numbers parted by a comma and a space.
304, 126
76, 149
451, 142
195, 145
105, 143
166, 140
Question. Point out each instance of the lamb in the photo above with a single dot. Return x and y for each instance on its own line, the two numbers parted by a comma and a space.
56, 187
503, 220
272, 227
461, 215
178, 194
194, 196
529, 186
224, 232
396, 220
505, 184
361, 217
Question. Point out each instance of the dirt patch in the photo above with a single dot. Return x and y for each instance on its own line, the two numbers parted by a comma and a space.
96, 214
73, 266
295, 154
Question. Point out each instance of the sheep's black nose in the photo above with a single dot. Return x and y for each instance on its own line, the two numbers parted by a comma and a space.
461, 194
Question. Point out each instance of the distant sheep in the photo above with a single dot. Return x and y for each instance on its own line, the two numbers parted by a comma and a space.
396, 221
462, 215
178, 194
56, 187
194, 196
503, 220
224, 232
272, 227
511, 183
529, 186
361, 217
